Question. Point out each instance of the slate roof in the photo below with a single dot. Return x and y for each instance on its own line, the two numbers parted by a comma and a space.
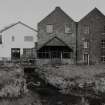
19, 22
93, 11
54, 41
59, 10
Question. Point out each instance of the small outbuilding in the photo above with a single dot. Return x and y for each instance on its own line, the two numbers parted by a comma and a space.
17, 40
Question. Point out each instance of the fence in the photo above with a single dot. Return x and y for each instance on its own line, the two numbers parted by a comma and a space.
22, 61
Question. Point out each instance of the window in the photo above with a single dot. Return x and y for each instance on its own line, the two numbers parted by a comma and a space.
103, 58
28, 38
103, 50
104, 28
66, 54
85, 44
27, 52
43, 55
86, 29
13, 38
102, 43
49, 28
68, 29
0, 39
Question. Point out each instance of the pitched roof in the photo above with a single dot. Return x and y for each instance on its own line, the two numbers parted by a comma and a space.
55, 41
60, 11
19, 22
92, 12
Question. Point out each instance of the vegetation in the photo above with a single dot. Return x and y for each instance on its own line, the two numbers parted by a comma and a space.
13, 87
82, 80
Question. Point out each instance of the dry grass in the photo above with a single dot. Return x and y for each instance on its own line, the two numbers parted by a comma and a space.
72, 71
29, 99
67, 77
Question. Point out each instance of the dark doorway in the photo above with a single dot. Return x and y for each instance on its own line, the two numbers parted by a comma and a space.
55, 54
15, 53
86, 58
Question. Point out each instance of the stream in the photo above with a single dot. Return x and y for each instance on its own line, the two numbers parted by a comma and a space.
50, 95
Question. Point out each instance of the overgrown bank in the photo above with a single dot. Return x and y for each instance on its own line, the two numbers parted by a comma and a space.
86, 81
63, 84
13, 87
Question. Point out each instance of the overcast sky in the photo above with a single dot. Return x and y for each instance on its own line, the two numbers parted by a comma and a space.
32, 11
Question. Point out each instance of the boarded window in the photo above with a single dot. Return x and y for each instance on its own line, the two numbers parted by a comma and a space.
28, 38
0, 39
86, 29
68, 28
49, 28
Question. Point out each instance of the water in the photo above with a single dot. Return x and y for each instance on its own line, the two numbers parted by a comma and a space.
50, 95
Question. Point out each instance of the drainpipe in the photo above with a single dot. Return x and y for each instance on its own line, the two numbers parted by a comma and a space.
76, 42
36, 47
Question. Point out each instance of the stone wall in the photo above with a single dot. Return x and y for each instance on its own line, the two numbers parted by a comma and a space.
58, 19
95, 20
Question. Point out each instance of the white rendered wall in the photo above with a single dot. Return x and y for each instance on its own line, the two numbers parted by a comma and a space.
18, 31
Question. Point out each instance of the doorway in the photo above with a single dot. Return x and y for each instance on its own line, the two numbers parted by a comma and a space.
15, 53
86, 58
55, 57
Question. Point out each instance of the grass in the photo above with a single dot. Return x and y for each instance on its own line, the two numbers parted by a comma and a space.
28, 99
66, 77
73, 71
13, 76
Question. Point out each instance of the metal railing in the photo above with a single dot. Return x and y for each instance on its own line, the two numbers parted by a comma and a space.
22, 61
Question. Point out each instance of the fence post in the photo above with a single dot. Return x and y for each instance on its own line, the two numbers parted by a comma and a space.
84, 101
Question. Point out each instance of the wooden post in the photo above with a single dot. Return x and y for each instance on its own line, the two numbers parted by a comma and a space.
61, 55
50, 54
61, 58
84, 101
50, 59
88, 59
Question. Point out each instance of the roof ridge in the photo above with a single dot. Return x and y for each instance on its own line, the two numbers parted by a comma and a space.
56, 8
11, 25
95, 8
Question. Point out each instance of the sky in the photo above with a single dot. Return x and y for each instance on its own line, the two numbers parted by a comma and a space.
31, 12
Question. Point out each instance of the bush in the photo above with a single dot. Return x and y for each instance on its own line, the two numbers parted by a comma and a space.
12, 82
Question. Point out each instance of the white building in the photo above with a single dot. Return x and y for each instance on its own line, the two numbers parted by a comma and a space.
17, 39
